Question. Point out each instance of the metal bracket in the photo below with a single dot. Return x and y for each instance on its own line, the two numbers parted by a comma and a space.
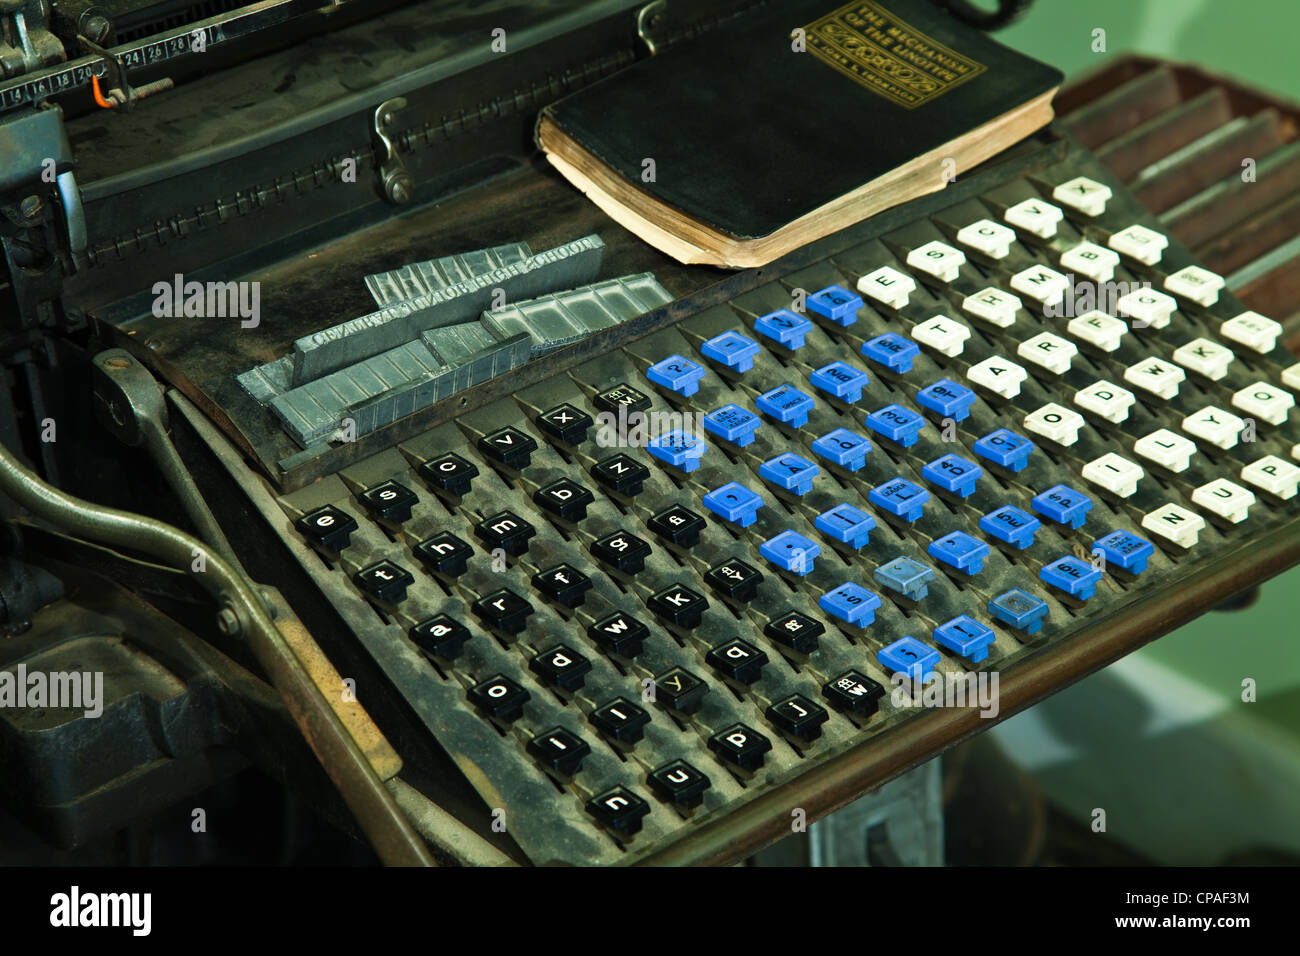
647, 18
395, 180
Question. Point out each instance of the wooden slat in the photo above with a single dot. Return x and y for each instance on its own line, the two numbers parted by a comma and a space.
1214, 211
1124, 108
1168, 182
1252, 238
1275, 293
1158, 137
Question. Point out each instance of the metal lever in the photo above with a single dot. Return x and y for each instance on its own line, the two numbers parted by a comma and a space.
394, 178
120, 91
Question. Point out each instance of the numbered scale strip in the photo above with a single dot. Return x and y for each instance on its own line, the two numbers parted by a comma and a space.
182, 41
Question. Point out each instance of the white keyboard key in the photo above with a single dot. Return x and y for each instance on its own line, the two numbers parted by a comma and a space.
989, 237
1167, 449
944, 335
1143, 244
1221, 429
1115, 474
1205, 358
1056, 422
1264, 401
1084, 194
1174, 523
998, 375
1041, 283
1105, 399
1098, 328
1089, 259
1147, 307
1036, 216
1224, 498
1295, 451
1253, 331
1193, 282
993, 305
1273, 475
938, 259
1048, 351
887, 285
1291, 377
1156, 376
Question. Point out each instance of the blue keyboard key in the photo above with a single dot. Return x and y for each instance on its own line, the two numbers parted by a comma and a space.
1005, 448
947, 398
734, 502
846, 524
836, 303
786, 327
1074, 577
1019, 609
677, 374
786, 404
791, 551
843, 448
961, 551
841, 380
678, 448
953, 473
965, 636
1063, 504
1126, 550
1011, 525
732, 349
735, 424
851, 603
790, 471
909, 656
892, 351
909, 578
897, 424
901, 498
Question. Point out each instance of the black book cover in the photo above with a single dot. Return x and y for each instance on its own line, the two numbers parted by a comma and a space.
747, 134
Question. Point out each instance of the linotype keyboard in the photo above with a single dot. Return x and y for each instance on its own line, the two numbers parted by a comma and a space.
652, 590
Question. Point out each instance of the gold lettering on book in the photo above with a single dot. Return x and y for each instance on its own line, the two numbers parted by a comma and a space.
872, 46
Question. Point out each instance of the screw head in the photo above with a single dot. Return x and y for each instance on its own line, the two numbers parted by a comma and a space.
228, 621
31, 207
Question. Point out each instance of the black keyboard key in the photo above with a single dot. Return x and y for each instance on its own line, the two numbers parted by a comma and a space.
737, 660
328, 528
619, 809
562, 666
798, 716
679, 605
679, 783
619, 633
734, 580
622, 396
621, 551
450, 473
677, 525
505, 530
799, 632
504, 610
854, 693
565, 499
445, 553
621, 720
509, 446
563, 584
680, 690
740, 746
391, 501
385, 581
440, 636
568, 424
499, 697
560, 750
621, 474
